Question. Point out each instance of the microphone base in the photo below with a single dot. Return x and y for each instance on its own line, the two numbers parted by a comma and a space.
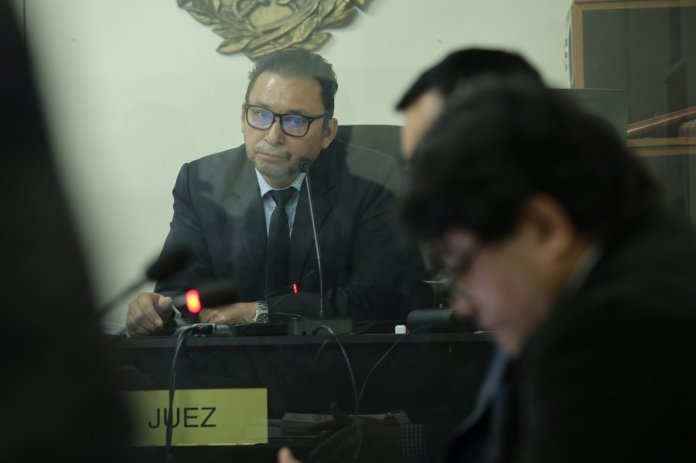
438, 321
298, 327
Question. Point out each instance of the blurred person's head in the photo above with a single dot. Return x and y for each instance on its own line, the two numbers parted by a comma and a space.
513, 184
424, 100
288, 112
58, 389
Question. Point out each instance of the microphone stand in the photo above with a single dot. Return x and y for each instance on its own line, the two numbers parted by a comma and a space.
304, 165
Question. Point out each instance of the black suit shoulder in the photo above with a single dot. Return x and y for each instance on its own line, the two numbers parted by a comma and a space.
642, 277
220, 168
235, 156
616, 358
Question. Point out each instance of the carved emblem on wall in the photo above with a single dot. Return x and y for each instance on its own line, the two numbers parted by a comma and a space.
259, 27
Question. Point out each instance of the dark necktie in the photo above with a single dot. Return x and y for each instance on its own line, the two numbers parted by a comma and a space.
278, 247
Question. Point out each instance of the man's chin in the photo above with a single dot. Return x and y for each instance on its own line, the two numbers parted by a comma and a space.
272, 169
275, 175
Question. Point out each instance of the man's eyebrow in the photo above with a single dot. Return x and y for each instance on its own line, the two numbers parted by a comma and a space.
298, 112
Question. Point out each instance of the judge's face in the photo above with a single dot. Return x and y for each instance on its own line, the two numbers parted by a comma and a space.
273, 152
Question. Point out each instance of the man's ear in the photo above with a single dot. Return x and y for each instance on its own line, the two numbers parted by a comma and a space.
329, 132
549, 226
243, 114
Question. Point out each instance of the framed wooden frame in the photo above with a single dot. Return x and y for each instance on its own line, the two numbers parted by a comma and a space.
645, 47
576, 22
652, 99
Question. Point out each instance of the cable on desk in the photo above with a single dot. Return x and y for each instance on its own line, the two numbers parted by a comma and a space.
356, 398
384, 356
181, 338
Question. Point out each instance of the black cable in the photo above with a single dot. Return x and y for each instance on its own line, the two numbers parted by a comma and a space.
357, 446
231, 336
384, 356
340, 346
172, 387
356, 451
359, 331
356, 399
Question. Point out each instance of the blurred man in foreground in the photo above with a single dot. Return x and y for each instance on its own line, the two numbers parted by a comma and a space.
422, 103
418, 441
558, 243
58, 390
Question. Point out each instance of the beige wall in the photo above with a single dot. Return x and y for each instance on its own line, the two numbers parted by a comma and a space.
134, 88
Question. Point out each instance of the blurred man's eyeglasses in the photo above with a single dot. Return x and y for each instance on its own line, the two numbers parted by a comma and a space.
446, 281
292, 125
447, 276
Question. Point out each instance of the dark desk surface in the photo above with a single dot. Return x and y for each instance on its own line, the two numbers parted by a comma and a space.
433, 377
222, 340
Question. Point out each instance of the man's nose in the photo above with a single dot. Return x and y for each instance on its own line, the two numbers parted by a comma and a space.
274, 134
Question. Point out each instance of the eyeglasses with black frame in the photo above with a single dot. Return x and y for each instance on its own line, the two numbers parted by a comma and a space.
292, 125
448, 276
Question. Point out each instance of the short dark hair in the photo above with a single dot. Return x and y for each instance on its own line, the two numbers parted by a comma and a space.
303, 64
463, 65
500, 142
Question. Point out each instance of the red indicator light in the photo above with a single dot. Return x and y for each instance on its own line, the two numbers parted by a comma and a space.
295, 290
193, 301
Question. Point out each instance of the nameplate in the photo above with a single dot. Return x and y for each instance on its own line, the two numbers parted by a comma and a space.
200, 417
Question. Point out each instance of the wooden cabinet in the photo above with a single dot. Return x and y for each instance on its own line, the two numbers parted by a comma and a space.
647, 48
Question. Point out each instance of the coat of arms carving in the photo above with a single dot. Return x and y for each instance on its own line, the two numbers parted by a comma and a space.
259, 27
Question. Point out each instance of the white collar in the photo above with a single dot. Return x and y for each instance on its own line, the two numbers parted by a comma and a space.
265, 187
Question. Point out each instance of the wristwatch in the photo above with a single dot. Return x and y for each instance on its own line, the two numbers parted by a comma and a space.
261, 315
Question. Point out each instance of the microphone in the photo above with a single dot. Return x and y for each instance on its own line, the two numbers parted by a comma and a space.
303, 165
169, 262
212, 294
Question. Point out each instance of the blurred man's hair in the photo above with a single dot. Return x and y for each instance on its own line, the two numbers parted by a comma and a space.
464, 65
297, 63
499, 142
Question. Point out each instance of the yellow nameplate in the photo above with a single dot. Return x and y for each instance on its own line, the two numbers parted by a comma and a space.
201, 417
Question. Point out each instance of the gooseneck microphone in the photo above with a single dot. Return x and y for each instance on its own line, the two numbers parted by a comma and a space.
203, 296
303, 165
169, 262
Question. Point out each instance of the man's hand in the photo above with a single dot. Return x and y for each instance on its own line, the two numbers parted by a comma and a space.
143, 319
351, 439
285, 456
242, 312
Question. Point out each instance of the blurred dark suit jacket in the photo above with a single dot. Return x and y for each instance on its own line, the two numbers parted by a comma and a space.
610, 375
